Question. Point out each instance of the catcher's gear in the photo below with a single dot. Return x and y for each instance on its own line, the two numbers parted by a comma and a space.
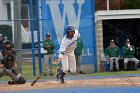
8, 61
21, 80
5, 52
7, 42
15, 70
7, 45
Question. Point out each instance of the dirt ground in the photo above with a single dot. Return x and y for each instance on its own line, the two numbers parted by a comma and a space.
106, 82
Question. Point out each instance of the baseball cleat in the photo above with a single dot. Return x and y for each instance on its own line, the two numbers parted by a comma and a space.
62, 81
60, 75
14, 82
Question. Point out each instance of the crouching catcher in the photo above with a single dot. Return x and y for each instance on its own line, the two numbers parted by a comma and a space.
8, 65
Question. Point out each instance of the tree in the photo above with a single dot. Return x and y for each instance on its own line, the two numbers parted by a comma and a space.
117, 4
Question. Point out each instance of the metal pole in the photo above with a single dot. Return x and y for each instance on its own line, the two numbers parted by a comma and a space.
38, 35
32, 34
17, 32
107, 5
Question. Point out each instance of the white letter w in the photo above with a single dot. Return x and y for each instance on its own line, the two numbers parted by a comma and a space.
68, 11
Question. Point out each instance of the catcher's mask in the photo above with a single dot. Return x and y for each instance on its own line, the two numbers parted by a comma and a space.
7, 45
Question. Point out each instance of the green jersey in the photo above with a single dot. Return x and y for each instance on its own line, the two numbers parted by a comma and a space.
127, 52
50, 48
79, 48
112, 51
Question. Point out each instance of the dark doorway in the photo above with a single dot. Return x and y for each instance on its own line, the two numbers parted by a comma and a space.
120, 30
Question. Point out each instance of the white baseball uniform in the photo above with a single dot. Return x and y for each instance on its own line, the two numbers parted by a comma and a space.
67, 48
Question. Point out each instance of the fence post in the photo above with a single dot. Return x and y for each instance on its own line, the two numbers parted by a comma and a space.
38, 37
17, 31
32, 34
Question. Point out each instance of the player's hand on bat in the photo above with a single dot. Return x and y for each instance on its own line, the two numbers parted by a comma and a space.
57, 61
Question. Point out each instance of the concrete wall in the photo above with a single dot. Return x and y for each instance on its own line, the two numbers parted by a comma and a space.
99, 43
87, 68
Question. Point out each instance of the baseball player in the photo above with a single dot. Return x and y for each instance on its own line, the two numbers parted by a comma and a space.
113, 54
78, 55
8, 66
129, 52
1, 41
49, 55
66, 53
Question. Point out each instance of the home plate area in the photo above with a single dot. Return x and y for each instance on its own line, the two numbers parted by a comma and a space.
87, 83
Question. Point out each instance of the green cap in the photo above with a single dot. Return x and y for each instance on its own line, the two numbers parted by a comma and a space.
47, 34
112, 41
127, 40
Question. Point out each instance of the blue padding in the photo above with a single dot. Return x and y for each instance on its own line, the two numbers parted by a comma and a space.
106, 67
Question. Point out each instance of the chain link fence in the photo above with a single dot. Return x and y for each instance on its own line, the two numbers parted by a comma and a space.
21, 23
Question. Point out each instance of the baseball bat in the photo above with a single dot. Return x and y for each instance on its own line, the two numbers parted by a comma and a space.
38, 77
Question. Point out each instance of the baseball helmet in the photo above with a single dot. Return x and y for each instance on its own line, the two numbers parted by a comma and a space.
69, 28
6, 42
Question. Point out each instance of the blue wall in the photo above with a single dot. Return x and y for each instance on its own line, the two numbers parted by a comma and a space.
56, 14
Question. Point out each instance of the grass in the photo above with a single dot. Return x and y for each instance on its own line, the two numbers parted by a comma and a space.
28, 73
115, 73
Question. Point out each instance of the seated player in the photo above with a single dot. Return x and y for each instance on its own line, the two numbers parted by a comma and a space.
113, 54
129, 55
